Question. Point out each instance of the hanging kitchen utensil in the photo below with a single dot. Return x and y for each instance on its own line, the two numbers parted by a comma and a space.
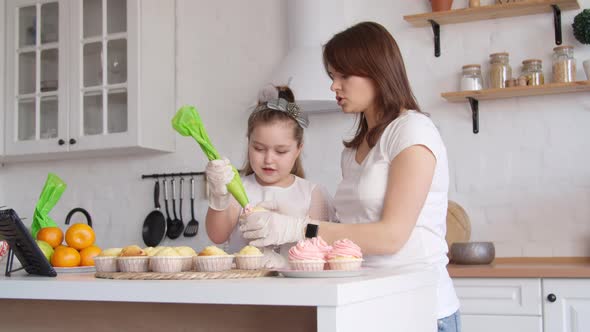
154, 225
192, 228
180, 191
175, 227
187, 122
81, 210
168, 219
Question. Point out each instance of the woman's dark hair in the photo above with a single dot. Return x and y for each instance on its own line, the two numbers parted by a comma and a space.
367, 49
268, 116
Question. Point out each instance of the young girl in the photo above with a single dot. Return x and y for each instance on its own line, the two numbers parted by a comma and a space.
392, 200
273, 171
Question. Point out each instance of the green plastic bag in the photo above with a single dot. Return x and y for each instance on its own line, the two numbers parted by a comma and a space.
187, 122
51, 193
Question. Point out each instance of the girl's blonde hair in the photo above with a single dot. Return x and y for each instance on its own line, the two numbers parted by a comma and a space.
269, 116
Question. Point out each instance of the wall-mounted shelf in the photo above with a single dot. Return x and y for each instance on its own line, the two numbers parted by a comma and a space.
473, 97
511, 9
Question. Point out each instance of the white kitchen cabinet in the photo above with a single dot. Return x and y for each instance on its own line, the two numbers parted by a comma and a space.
2, 74
524, 304
89, 77
492, 304
566, 305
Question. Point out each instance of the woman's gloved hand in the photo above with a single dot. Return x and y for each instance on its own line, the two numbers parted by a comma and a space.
267, 228
219, 173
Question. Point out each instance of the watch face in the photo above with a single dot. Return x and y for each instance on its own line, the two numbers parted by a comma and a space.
311, 231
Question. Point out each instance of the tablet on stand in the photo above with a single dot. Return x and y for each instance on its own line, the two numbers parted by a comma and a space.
23, 246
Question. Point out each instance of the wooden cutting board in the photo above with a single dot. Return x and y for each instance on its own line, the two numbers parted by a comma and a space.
458, 224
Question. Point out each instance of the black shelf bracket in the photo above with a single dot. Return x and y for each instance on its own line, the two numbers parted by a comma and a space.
557, 23
474, 103
436, 31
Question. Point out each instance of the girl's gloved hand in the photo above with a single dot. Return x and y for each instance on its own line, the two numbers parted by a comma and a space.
267, 228
219, 173
274, 260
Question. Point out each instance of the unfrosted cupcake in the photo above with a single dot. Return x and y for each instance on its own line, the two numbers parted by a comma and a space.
166, 261
132, 259
249, 209
249, 258
345, 255
187, 254
106, 261
306, 256
213, 259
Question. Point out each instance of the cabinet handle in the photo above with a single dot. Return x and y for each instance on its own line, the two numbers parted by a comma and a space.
61, 142
72, 141
551, 297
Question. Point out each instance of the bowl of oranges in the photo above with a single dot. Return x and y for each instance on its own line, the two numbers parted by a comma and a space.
79, 249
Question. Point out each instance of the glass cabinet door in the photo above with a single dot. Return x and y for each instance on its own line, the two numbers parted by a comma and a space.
37, 72
103, 86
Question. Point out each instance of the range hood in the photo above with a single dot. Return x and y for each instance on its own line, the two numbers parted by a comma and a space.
310, 24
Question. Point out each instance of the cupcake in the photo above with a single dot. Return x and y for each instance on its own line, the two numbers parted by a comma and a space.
306, 256
166, 261
324, 247
345, 255
187, 254
248, 209
132, 259
249, 258
213, 259
106, 261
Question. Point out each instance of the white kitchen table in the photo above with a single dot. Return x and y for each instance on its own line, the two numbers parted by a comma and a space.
379, 300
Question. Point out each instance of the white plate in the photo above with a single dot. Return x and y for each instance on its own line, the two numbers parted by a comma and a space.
77, 269
320, 274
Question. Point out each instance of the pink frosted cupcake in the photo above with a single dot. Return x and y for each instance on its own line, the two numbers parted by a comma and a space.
345, 255
324, 247
306, 256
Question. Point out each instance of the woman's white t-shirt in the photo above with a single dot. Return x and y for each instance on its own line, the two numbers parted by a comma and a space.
302, 198
361, 194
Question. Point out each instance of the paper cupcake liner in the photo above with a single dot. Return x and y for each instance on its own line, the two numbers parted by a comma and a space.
213, 263
345, 264
133, 264
307, 265
249, 262
187, 263
166, 264
105, 263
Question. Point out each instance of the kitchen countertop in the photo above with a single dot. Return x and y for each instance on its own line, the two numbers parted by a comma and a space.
525, 267
254, 291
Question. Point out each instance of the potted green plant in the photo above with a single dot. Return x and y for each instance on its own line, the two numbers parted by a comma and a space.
441, 5
581, 27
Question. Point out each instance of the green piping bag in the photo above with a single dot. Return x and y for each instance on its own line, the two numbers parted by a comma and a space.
51, 193
187, 122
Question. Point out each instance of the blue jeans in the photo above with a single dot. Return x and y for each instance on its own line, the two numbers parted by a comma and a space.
451, 323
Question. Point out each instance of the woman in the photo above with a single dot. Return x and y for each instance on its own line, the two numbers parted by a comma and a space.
392, 199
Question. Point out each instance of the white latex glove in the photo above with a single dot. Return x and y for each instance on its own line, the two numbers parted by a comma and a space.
219, 173
273, 260
267, 228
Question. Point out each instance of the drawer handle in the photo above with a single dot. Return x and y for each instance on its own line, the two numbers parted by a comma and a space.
551, 297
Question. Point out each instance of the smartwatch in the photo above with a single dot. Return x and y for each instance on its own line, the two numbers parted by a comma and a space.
311, 231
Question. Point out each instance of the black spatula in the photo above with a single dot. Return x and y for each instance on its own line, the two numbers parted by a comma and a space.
192, 228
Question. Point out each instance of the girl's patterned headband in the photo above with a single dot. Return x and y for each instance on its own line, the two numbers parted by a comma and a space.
282, 105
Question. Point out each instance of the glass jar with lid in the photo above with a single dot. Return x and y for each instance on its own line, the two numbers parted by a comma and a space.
500, 70
532, 70
471, 78
564, 64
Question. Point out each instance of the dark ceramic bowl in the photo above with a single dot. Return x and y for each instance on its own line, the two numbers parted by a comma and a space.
472, 252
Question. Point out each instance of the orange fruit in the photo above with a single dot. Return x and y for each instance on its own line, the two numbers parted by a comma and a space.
87, 255
80, 236
52, 235
65, 257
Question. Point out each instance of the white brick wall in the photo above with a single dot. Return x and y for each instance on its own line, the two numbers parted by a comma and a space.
524, 179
